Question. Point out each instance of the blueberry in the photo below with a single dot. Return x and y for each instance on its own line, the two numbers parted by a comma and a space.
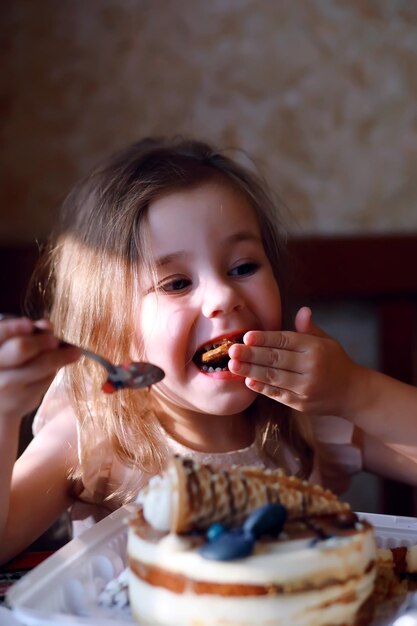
214, 531
228, 546
266, 520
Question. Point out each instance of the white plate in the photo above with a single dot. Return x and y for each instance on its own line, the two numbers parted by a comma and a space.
64, 589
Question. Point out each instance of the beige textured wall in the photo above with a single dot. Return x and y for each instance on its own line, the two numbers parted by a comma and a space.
322, 93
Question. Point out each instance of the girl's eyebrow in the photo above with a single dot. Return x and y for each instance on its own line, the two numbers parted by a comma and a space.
243, 235
166, 259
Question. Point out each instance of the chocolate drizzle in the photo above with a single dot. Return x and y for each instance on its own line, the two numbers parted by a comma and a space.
232, 506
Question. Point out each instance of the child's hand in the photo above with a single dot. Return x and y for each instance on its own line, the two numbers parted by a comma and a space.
28, 364
304, 369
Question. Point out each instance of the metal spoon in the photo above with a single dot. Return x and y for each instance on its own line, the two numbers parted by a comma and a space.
135, 375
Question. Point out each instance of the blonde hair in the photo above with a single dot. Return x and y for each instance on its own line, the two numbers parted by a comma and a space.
93, 262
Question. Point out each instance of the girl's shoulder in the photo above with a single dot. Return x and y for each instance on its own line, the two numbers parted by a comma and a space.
97, 470
55, 403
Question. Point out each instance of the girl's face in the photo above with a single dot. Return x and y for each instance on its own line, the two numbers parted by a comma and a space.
214, 281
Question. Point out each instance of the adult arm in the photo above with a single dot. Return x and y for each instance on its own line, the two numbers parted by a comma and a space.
28, 363
41, 488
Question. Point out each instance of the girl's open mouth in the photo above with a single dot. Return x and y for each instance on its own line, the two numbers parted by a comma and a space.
214, 357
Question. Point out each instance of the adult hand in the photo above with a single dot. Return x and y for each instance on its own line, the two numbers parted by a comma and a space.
28, 363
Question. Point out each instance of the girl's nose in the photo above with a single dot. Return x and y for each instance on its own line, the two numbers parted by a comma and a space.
220, 299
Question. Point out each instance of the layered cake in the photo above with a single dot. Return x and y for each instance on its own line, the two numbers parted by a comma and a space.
247, 547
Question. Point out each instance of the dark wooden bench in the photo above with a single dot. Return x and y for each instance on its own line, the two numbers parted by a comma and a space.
381, 270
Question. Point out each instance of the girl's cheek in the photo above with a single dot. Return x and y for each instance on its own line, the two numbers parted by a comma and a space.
176, 323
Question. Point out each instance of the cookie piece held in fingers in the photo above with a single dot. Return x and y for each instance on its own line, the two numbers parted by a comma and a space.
217, 353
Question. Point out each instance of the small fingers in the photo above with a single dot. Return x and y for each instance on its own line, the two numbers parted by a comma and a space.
268, 357
281, 339
284, 396
268, 375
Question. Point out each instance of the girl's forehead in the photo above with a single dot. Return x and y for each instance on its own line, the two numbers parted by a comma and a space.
211, 205
209, 222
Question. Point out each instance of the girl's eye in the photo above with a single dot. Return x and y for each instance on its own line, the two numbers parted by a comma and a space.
175, 284
244, 269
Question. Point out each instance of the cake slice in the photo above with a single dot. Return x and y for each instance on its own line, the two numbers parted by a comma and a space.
247, 547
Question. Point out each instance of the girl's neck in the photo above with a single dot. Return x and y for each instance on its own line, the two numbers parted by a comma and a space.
207, 433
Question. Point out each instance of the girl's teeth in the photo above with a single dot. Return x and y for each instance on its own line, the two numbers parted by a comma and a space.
210, 369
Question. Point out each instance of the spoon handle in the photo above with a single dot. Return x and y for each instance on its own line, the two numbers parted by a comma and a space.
97, 357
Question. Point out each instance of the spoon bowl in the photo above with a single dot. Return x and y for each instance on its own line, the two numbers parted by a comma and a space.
134, 375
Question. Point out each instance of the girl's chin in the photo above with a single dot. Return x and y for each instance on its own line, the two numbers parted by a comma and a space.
218, 392
226, 401
213, 396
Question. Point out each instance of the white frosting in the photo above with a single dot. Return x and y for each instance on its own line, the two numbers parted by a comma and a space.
270, 563
156, 500
156, 605
173, 543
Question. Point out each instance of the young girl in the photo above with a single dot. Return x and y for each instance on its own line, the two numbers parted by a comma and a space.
165, 251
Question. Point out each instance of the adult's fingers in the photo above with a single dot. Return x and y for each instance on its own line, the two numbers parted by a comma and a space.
14, 326
44, 324
20, 349
11, 326
34, 371
26, 396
